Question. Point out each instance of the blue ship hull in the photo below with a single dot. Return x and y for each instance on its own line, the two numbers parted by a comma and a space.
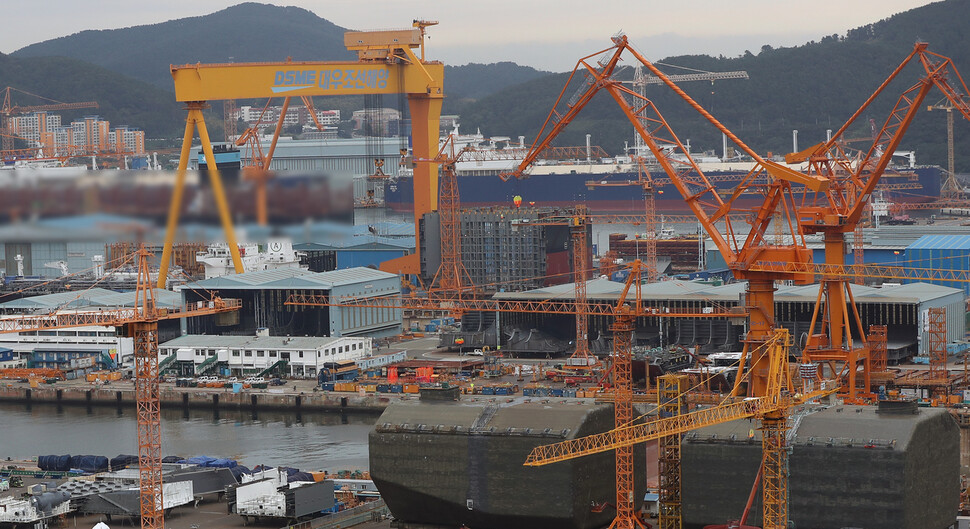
563, 190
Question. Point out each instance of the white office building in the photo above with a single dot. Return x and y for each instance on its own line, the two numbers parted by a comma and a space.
299, 356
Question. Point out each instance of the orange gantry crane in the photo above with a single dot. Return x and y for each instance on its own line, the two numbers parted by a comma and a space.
837, 338
141, 320
386, 64
698, 192
772, 180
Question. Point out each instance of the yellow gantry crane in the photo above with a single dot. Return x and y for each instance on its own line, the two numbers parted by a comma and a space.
386, 64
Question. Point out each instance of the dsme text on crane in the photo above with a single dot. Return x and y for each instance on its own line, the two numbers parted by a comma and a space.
330, 79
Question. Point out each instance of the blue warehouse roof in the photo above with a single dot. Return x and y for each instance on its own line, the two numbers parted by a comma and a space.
941, 242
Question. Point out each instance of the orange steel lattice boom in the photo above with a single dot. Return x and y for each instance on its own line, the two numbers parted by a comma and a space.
839, 210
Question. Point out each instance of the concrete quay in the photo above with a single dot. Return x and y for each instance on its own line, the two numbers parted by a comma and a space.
292, 398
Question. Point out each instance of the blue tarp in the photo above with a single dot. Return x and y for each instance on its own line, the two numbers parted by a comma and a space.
53, 462
122, 461
238, 471
90, 464
206, 461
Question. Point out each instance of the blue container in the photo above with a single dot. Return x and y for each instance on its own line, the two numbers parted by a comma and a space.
528, 392
502, 391
556, 392
488, 390
327, 386
396, 388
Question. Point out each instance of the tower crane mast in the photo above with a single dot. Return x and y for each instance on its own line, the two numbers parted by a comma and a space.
141, 321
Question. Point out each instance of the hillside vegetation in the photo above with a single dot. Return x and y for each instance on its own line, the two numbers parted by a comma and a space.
811, 88
808, 88
242, 33
121, 100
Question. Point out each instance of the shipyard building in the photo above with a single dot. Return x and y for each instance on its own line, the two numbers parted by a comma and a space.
902, 308
264, 295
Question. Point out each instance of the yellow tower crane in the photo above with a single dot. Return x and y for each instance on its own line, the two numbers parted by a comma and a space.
772, 409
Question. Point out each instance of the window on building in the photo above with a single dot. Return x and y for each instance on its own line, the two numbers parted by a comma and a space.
212, 352
249, 353
235, 352
301, 354
261, 354
272, 354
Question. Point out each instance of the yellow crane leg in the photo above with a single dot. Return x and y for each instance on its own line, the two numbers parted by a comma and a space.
195, 120
219, 193
425, 117
671, 402
175, 206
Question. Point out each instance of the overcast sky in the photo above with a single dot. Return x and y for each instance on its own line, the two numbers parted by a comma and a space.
546, 34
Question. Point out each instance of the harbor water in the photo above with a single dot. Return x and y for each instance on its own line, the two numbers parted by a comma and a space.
308, 441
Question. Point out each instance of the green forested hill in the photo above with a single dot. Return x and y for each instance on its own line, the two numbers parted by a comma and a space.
810, 88
242, 33
474, 81
122, 100
247, 32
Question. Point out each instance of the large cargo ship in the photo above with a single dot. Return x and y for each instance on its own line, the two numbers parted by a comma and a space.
563, 183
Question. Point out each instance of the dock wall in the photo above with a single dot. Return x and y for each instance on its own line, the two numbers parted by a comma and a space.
212, 399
